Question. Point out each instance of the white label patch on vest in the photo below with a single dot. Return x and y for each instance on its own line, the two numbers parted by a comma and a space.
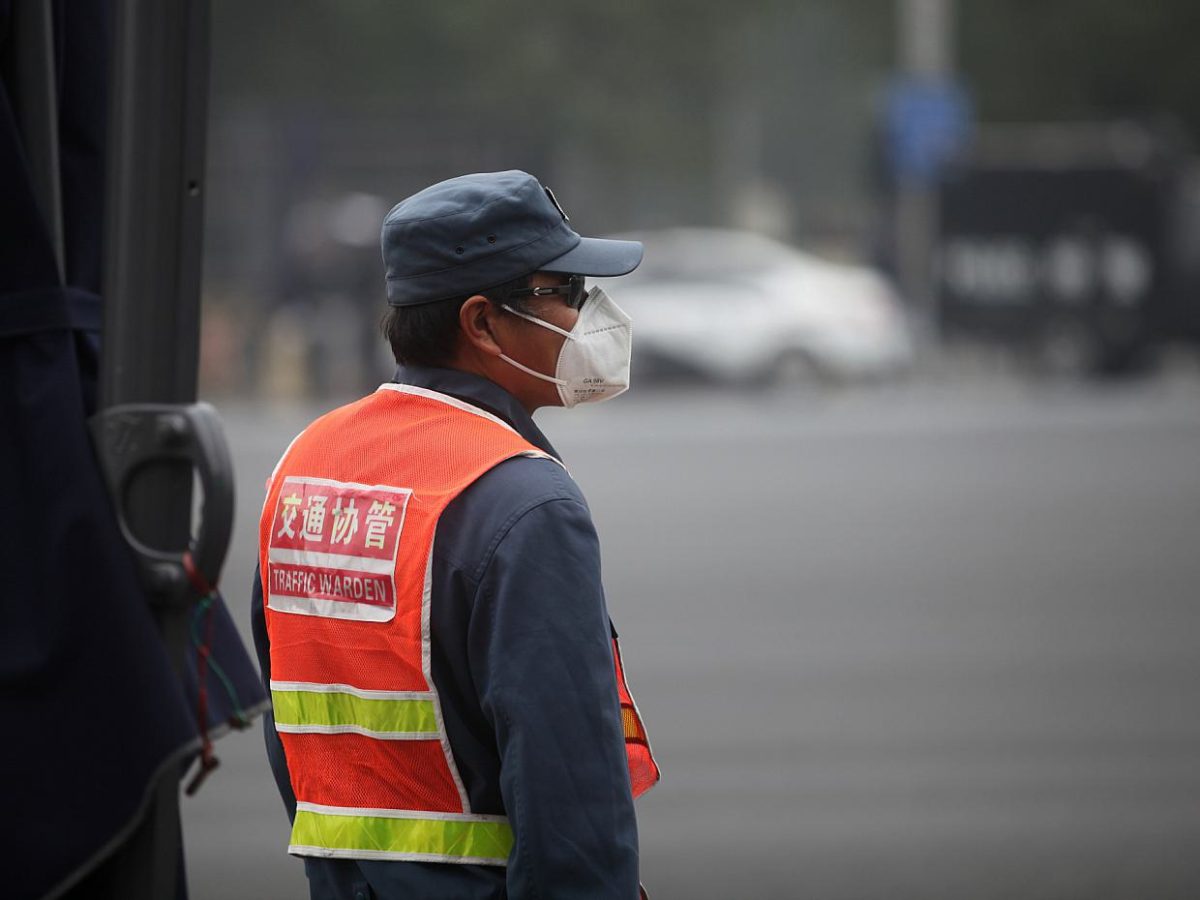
333, 549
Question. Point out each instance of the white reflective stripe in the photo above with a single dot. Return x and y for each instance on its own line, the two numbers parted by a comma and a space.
536, 321
397, 813
325, 852
330, 482
533, 372
313, 687
637, 712
444, 398
283, 456
355, 729
426, 594
443, 736
334, 609
274, 472
331, 560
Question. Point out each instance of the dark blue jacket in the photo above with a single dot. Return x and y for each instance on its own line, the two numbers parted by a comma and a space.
522, 662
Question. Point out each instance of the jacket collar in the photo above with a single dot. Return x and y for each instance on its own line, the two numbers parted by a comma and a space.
478, 391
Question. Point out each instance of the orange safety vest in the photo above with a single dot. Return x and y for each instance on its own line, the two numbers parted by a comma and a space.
345, 551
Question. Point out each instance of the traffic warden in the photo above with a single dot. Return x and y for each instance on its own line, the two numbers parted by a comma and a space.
451, 718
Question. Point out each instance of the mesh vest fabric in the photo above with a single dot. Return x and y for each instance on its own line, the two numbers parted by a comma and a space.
346, 539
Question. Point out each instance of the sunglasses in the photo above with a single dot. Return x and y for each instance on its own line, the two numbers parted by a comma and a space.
573, 290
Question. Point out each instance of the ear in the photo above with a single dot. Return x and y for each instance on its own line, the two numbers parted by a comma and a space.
475, 319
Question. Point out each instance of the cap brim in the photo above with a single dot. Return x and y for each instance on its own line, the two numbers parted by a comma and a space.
598, 256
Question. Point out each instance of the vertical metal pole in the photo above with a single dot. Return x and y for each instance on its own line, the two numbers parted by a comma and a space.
154, 219
35, 102
926, 37
739, 122
925, 49
155, 202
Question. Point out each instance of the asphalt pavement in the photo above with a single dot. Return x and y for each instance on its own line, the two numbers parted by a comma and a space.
929, 641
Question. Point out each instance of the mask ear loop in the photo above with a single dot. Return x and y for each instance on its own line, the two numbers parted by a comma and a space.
561, 382
534, 373
568, 335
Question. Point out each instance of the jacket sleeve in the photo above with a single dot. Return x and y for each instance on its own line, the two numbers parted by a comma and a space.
541, 656
262, 646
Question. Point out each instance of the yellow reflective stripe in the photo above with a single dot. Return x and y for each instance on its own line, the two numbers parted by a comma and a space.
383, 837
325, 709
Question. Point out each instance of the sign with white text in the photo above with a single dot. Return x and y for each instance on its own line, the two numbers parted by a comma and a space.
333, 548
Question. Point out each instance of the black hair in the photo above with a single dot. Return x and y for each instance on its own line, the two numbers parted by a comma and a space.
427, 334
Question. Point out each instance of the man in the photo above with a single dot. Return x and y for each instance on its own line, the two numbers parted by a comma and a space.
450, 714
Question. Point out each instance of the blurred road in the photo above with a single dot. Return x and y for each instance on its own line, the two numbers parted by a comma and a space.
924, 642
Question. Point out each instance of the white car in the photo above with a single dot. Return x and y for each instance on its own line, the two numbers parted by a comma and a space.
735, 307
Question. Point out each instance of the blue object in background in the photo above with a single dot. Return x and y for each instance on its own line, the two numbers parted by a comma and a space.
927, 122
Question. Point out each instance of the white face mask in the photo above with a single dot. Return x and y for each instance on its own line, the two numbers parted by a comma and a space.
593, 364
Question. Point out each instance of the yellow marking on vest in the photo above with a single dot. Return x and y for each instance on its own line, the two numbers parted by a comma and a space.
382, 837
334, 709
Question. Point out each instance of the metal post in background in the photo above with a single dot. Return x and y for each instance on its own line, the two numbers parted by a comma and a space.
153, 233
155, 202
926, 29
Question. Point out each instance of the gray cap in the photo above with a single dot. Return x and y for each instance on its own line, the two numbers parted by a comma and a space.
474, 232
